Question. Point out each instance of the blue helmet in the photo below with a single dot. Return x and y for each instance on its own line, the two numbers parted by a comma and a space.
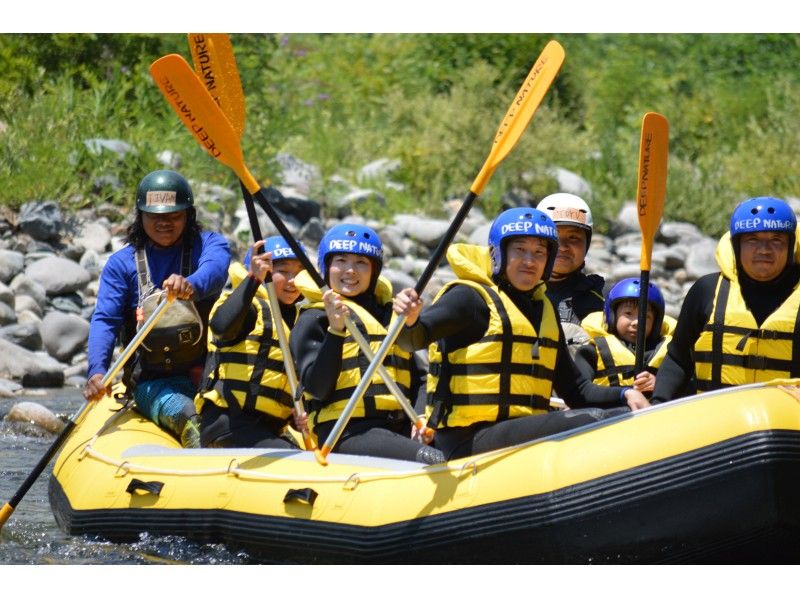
763, 214
278, 246
628, 288
350, 238
522, 222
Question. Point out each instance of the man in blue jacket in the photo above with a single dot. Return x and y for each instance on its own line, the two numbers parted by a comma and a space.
166, 249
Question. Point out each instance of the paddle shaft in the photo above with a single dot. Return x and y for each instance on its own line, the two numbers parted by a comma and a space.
9, 507
644, 284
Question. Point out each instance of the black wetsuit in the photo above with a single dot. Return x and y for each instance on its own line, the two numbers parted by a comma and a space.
319, 363
232, 427
461, 317
576, 296
676, 375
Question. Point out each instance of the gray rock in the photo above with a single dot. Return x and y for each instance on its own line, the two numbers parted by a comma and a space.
63, 334
682, 233
627, 218
427, 231
58, 275
23, 285
97, 146
347, 205
480, 236
93, 263
36, 414
312, 231
70, 303
27, 303
701, 259
7, 314
26, 316
94, 236
378, 169
169, 159
32, 368
11, 264
8, 388
298, 174
25, 335
569, 182
41, 220
6, 295
400, 280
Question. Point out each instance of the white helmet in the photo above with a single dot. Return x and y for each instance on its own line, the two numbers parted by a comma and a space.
569, 209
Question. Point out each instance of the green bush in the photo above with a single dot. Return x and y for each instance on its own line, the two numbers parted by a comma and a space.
432, 101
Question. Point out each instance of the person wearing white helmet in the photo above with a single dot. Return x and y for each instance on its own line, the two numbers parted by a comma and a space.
574, 293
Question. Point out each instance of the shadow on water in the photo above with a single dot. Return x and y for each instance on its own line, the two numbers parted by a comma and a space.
31, 535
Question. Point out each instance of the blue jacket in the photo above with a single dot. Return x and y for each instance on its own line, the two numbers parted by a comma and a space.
118, 294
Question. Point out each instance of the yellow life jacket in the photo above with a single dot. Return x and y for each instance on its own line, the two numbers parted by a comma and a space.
248, 373
508, 373
377, 400
732, 349
615, 361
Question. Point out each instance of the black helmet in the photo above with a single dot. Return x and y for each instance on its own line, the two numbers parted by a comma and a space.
163, 191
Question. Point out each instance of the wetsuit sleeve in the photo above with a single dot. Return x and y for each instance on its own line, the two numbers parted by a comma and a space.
677, 369
317, 353
237, 315
461, 314
113, 299
212, 267
586, 361
575, 388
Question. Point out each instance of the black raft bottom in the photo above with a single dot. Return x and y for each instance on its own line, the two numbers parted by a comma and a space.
733, 502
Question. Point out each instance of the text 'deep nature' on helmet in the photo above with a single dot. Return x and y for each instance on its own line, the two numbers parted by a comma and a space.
162, 192
350, 238
628, 288
522, 222
279, 248
763, 214
569, 209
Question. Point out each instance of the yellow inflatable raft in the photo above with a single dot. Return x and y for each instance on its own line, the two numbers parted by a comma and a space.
711, 478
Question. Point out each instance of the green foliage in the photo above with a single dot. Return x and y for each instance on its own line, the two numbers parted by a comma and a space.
432, 101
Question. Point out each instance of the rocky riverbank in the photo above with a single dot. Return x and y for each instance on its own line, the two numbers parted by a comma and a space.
50, 261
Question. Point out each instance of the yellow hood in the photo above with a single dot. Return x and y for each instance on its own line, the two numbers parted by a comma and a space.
237, 273
726, 259
472, 262
595, 325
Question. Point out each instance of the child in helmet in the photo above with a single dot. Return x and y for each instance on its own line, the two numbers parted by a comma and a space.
496, 348
246, 400
610, 358
329, 361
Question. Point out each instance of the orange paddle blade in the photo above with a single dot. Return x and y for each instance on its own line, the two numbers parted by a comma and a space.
215, 65
652, 186
200, 114
521, 111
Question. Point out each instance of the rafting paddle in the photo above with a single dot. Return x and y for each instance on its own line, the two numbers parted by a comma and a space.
148, 324
213, 131
215, 64
513, 125
651, 188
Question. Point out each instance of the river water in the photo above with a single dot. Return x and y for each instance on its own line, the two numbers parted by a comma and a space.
31, 535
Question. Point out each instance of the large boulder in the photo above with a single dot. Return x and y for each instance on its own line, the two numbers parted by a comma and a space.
11, 264
32, 368
63, 334
36, 414
58, 275
42, 220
